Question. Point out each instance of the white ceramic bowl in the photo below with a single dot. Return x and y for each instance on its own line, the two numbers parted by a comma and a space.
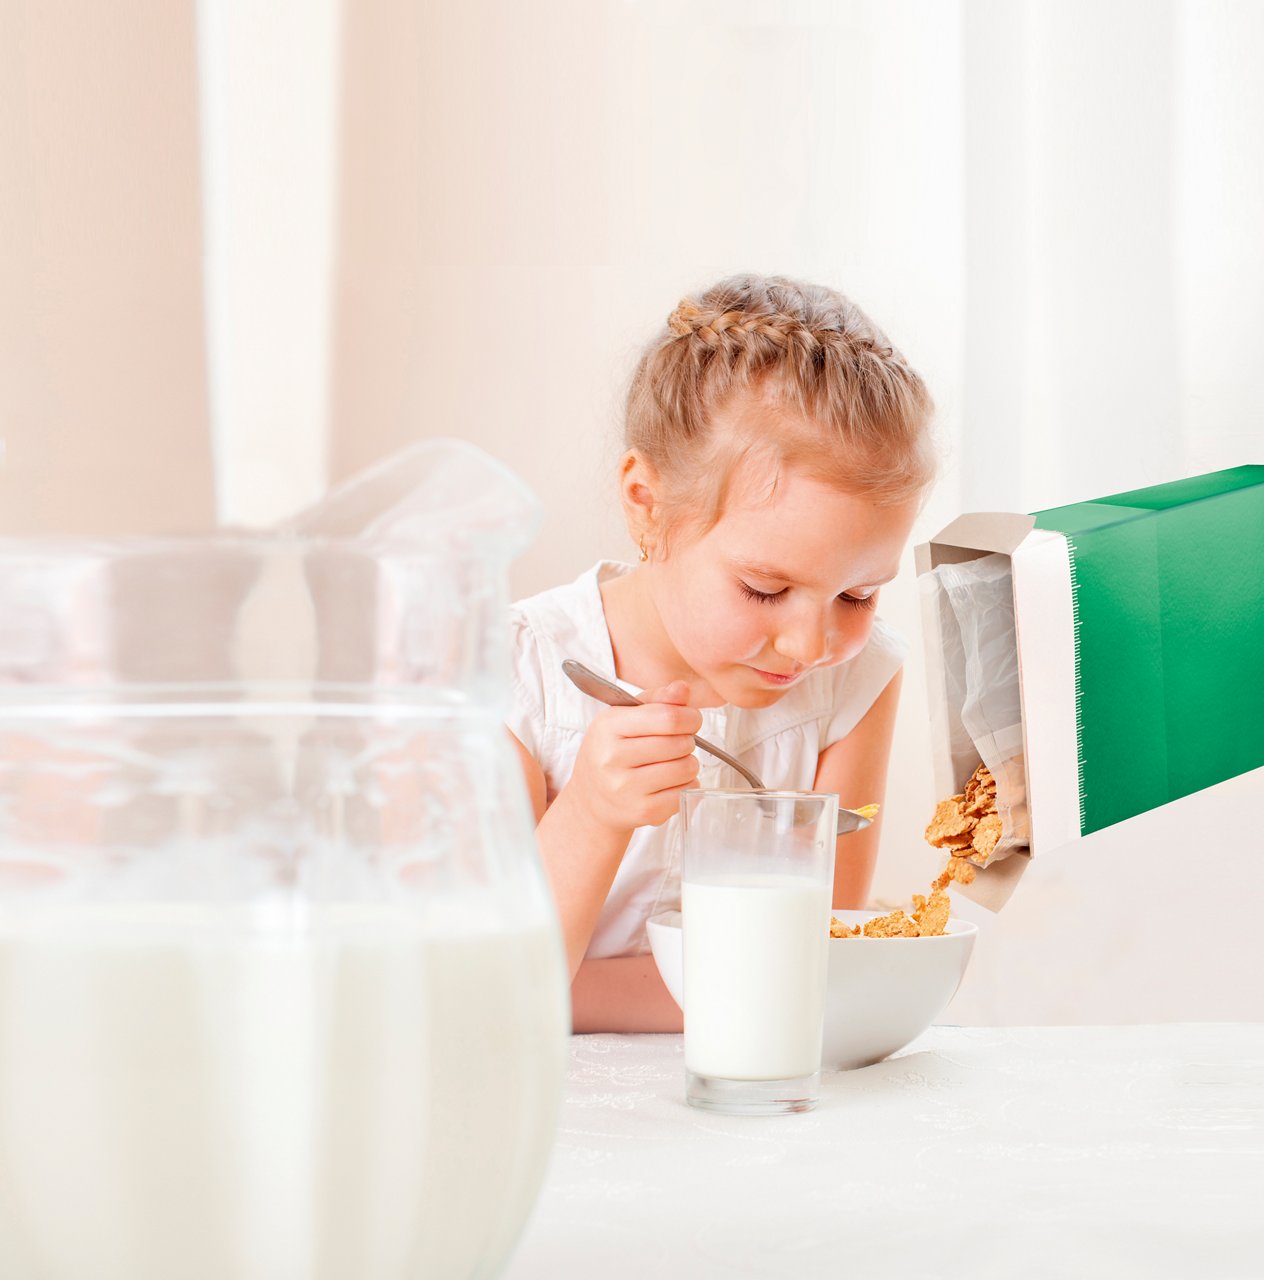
882, 992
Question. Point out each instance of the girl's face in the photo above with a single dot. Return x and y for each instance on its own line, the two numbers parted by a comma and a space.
778, 587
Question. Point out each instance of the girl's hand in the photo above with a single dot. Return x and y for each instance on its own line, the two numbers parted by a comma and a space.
635, 761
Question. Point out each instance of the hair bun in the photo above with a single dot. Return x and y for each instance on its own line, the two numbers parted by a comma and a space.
684, 320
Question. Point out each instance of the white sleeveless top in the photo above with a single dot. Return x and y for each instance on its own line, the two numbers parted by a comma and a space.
781, 743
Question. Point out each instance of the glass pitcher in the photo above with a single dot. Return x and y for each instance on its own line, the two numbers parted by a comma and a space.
282, 994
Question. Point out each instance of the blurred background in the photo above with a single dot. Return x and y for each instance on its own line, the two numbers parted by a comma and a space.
247, 249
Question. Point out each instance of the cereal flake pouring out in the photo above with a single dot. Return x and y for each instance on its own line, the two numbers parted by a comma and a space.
968, 827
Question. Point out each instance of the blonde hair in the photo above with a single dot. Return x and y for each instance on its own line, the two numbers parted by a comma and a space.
863, 414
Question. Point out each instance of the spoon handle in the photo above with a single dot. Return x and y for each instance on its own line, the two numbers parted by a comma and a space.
603, 690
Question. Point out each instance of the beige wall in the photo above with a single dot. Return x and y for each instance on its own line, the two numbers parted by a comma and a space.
102, 392
481, 286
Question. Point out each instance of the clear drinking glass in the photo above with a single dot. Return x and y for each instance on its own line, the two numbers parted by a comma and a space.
758, 879
282, 993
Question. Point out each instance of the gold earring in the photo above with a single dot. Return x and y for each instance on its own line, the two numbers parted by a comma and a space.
645, 555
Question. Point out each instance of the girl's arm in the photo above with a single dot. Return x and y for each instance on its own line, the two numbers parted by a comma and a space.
631, 767
622, 994
856, 768
580, 857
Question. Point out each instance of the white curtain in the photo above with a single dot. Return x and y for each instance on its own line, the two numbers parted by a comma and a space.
1113, 175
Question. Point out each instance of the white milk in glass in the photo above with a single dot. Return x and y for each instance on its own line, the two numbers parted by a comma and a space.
750, 1014
184, 1099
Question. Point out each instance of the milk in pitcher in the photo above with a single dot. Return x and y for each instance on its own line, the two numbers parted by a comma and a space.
182, 1095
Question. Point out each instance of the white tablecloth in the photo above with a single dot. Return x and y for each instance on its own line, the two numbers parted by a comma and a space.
1052, 1151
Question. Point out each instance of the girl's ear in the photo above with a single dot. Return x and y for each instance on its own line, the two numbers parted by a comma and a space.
639, 491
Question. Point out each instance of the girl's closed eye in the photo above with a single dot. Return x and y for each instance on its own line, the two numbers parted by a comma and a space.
867, 601
764, 597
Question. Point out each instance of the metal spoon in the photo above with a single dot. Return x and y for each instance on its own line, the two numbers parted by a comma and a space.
595, 686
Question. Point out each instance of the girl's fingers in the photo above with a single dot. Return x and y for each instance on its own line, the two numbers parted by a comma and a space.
656, 720
667, 776
636, 752
677, 693
676, 788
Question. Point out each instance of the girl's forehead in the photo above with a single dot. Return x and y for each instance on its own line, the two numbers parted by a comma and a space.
806, 530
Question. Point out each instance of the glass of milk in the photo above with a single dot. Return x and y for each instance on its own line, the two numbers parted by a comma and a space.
756, 898
282, 994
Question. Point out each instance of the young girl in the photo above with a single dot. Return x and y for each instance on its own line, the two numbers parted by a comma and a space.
777, 451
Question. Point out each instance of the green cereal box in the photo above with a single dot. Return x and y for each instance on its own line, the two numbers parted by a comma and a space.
1101, 658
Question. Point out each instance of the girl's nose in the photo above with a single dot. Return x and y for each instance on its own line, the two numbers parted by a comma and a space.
812, 639
806, 642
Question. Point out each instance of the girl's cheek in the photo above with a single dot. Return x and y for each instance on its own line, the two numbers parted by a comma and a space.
730, 638
853, 638
703, 636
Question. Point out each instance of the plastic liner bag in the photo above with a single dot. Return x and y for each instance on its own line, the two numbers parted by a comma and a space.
975, 605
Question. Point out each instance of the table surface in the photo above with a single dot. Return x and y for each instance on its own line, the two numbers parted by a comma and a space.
980, 1152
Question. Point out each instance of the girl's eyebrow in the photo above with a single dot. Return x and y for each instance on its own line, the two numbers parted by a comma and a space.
767, 571
762, 570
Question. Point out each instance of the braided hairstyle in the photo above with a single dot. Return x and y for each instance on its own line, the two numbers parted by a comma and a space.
842, 402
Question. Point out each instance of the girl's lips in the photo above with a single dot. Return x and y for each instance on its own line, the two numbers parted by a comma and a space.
773, 678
